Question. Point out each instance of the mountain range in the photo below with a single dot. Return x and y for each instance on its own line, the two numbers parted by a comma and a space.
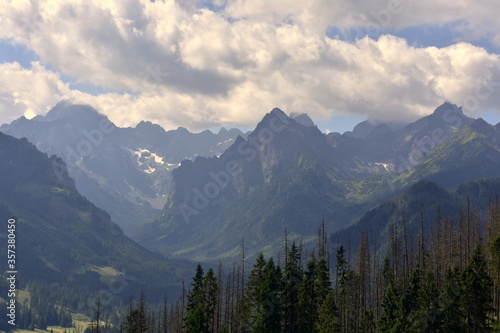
63, 238
287, 176
126, 171
200, 196
203, 197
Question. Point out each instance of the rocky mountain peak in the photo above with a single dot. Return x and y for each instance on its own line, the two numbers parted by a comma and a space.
447, 108
302, 118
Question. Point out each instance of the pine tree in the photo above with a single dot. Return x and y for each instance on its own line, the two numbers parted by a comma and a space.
143, 320
196, 320
427, 319
292, 279
476, 297
136, 320
307, 308
268, 315
211, 299
253, 296
341, 287
390, 301
409, 306
450, 312
321, 280
327, 315
364, 276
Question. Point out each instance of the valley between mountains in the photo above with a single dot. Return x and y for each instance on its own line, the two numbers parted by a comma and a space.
96, 203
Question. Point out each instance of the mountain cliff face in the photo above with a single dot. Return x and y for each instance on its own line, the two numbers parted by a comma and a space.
469, 154
283, 176
378, 149
288, 176
126, 171
62, 237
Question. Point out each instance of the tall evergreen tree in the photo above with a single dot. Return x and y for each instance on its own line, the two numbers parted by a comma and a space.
268, 316
307, 309
476, 297
253, 296
390, 301
136, 321
292, 278
409, 303
327, 316
341, 282
196, 320
322, 282
427, 319
211, 299
450, 312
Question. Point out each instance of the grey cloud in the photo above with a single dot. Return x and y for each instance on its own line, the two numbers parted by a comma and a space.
185, 66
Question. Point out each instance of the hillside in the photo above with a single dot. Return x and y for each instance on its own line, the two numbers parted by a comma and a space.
126, 171
288, 176
63, 238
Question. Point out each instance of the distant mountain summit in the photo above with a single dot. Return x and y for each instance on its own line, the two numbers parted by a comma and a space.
302, 118
372, 149
363, 129
284, 175
126, 171
73, 112
198, 195
287, 175
469, 154
61, 237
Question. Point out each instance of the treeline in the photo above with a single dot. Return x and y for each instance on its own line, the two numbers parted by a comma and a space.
45, 305
36, 312
447, 281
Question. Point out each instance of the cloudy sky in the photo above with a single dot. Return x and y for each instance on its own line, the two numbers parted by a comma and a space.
205, 64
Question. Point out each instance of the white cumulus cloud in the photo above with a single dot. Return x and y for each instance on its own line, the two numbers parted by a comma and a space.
181, 65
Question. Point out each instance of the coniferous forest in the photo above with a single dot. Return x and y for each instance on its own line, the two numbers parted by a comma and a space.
446, 279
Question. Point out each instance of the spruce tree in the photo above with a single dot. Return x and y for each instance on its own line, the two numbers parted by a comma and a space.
196, 320
321, 280
253, 295
390, 302
292, 279
211, 293
341, 287
327, 316
427, 319
476, 297
409, 303
307, 309
268, 315
450, 312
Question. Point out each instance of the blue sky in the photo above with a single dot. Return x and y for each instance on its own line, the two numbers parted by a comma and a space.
206, 64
